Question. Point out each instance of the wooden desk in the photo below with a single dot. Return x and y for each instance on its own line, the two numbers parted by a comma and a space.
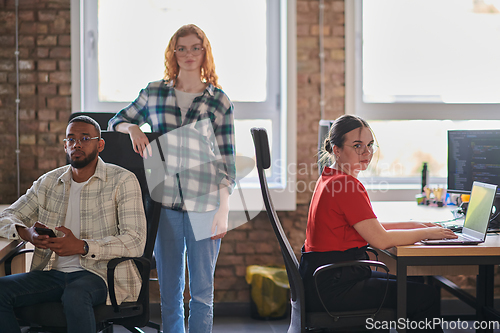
421, 259
484, 256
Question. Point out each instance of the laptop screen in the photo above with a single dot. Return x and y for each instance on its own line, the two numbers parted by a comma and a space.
479, 209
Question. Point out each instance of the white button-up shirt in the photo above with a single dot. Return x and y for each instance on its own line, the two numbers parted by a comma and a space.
112, 216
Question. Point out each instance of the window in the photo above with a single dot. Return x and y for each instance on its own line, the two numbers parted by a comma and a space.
122, 44
406, 144
415, 69
423, 59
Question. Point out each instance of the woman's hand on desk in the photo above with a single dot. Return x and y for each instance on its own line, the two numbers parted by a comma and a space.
384, 237
440, 233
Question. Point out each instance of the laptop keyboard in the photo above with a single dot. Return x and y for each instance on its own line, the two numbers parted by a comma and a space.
460, 238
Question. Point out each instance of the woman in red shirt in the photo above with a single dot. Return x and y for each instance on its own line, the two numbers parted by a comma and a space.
340, 225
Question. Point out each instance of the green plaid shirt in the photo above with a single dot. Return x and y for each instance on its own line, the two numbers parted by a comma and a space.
199, 149
112, 216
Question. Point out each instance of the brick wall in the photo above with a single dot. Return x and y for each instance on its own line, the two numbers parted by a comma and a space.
309, 80
45, 90
44, 44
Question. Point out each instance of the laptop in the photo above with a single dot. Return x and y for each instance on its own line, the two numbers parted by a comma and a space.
476, 219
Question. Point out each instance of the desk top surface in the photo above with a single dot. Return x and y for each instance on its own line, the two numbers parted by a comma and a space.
491, 247
397, 211
400, 211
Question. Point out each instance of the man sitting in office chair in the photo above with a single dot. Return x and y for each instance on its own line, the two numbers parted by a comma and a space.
96, 210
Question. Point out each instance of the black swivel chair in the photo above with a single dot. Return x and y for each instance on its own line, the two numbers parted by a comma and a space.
102, 119
49, 317
301, 319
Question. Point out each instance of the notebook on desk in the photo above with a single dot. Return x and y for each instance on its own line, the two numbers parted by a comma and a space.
477, 218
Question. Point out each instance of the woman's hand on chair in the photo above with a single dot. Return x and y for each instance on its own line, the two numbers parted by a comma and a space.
140, 141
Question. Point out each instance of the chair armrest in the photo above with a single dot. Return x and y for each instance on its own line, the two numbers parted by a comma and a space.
372, 250
369, 263
327, 267
143, 265
17, 251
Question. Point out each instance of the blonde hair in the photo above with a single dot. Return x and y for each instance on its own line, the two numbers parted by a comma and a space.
207, 72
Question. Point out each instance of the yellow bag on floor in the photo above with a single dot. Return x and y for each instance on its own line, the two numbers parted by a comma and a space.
269, 290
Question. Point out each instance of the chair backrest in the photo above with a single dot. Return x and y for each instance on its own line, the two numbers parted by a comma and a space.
102, 118
118, 150
263, 157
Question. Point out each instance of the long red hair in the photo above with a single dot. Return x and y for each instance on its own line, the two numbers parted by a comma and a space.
207, 71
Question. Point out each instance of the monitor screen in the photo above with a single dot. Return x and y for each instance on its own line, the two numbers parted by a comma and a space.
473, 155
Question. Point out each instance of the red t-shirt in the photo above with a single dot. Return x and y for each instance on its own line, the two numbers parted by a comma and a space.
338, 203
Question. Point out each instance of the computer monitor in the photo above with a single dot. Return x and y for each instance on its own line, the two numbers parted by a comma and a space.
473, 155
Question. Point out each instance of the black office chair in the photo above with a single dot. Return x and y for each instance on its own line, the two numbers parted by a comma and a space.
49, 317
102, 119
301, 319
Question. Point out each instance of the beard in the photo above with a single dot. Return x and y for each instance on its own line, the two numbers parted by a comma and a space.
82, 163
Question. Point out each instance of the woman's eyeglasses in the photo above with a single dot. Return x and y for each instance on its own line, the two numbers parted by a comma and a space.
83, 141
361, 148
182, 51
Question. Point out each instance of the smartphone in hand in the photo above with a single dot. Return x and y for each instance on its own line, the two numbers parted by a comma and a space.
45, 231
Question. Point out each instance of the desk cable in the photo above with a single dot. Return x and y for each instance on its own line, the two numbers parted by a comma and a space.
452, 220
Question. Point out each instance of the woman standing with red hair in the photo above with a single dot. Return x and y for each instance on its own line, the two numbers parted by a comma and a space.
196, 196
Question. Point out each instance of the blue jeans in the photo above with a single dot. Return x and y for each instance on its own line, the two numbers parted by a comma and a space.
175, 238
78, 291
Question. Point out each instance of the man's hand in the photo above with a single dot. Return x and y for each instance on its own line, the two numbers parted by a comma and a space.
30, 235
67, 245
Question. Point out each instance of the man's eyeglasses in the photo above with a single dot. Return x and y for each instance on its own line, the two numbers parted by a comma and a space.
361, 148
83, 141
182, 51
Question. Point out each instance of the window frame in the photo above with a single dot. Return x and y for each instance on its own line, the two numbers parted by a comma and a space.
282, 187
